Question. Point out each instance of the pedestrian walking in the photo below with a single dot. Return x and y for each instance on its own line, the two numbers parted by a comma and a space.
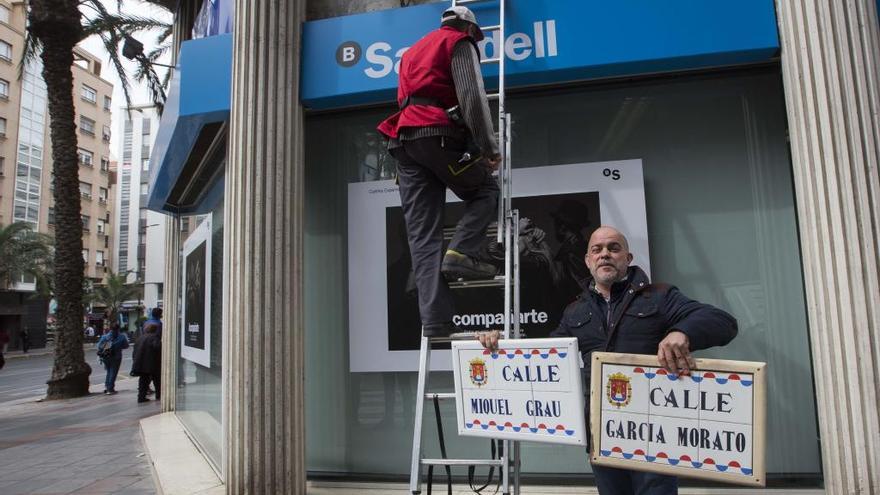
25, 340
110, 347
4, 339
147, 361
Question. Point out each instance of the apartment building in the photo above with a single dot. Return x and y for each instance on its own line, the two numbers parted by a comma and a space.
26, 158
140, 245
93, 104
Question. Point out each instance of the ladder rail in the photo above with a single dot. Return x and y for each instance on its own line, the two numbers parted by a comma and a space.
507, 232
415, 473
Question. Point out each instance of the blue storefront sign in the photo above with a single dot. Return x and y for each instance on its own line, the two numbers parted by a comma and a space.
353, 60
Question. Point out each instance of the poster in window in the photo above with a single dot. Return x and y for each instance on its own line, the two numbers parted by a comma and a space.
195, 333
559, 207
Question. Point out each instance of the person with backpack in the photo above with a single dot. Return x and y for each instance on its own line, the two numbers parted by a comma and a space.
147, 360
110, 347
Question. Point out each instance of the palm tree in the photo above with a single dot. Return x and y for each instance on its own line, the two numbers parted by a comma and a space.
113, 292
54, 29
23, 252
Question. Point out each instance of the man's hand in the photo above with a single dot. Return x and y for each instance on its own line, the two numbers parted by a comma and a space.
674, 353
494, 161
489, 339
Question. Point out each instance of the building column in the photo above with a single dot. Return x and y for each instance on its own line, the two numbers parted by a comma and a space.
831, 70
263, 252
170, 317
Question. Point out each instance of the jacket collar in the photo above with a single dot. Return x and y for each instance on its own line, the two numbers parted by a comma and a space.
636, 279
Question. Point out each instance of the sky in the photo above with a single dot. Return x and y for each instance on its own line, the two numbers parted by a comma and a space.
139, 93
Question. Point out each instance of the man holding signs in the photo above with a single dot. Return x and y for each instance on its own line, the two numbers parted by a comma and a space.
622, 311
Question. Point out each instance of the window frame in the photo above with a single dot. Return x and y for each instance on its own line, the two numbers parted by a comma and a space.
85, 90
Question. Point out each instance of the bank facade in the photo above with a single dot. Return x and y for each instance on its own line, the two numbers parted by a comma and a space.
757, 129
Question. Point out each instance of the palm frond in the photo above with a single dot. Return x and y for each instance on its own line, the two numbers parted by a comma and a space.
114, 29
23, 252
32, 49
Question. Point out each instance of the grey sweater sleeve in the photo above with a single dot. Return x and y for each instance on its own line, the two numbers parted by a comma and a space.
472, 96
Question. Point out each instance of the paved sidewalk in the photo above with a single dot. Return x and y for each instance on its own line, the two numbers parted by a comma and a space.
89, 445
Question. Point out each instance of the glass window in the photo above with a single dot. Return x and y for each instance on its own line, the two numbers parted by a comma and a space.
105, 133
86, 125
102, 193
105, 164
86, 157
5, 51
102, 226
85, 253
108, 103
4, 14
85, 189
2, 126
4, 88
86, 221
721, 224
89, 94
51, 215
199, 404
99, 258
145, 164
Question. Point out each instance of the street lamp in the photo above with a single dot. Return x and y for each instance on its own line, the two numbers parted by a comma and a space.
133, 49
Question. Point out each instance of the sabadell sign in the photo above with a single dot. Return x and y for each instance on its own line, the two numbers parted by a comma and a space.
353, 60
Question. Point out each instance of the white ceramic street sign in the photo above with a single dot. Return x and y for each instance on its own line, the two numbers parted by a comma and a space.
529, 390
706, 425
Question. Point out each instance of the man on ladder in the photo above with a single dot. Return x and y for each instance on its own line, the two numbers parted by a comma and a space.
443, 137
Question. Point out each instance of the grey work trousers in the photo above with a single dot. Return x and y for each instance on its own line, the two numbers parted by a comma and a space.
426, 167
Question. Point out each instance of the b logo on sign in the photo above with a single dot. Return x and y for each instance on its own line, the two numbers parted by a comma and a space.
348, 54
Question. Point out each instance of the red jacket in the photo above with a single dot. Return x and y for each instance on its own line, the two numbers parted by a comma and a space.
426, 72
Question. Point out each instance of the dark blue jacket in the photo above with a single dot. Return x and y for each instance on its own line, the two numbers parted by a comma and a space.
120, 343
640, 316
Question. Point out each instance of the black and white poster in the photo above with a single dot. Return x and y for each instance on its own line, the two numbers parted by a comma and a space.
195, 334
559, 207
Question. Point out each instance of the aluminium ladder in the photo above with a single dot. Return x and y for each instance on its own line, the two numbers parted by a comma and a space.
507, 235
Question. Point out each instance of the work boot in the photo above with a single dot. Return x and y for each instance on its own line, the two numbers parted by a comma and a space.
459, 267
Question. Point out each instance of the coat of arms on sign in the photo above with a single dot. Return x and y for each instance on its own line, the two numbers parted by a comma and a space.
478, 372
618, 390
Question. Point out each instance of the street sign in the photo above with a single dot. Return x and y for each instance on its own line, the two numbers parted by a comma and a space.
528, 390
708, 425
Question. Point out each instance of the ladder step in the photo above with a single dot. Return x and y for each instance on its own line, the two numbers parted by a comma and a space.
462, 462
440, 395
454, 336
498, 281
493, 60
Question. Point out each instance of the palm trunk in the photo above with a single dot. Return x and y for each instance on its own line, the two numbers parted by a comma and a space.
57, 25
